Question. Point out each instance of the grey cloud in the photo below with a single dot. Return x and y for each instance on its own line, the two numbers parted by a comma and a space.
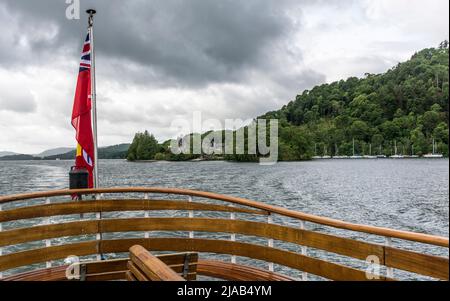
176, 42
19, 101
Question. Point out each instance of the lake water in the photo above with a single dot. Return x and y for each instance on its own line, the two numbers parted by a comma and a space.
409, 194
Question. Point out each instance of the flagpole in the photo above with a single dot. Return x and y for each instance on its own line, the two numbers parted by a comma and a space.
91, 13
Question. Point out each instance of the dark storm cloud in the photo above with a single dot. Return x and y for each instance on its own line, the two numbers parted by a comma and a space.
179, 42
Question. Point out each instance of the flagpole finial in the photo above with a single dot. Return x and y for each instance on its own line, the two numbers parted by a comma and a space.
91, 13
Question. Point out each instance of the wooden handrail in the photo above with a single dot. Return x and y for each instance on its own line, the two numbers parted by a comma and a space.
406, 235
106, 205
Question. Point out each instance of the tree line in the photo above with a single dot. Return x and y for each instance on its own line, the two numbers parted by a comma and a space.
406, 106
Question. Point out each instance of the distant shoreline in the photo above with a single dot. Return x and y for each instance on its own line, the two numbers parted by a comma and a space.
6, 159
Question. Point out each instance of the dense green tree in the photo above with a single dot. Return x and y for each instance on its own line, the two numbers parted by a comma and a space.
440, 133
419, 141
143, 147
359, 130
390, 130
430, 120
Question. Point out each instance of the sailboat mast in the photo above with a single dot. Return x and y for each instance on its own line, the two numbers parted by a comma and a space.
91, 13
353, 146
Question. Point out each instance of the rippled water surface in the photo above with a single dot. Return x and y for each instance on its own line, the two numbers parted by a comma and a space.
402, 194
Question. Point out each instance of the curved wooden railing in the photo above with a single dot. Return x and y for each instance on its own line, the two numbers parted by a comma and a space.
309, 241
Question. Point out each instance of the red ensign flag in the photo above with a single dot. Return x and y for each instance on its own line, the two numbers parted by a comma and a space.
81, 114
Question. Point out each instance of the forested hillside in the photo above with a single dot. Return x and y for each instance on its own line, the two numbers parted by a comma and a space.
408, 105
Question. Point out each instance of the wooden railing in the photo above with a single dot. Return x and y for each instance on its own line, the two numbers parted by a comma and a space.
385, 254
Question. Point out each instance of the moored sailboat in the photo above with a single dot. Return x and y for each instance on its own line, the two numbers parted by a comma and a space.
396, 156
354, 156
369, 156
433, 155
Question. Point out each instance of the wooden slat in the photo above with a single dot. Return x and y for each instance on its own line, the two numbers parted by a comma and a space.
236, 272
50, 274
175, 259
46, 210
118, 275
136, 272
172, 260
24, 258
290, 259
113, 269
130, 276
22, 235
105, 266
418, 237
343, 246
153, 268
422, 264
67, 208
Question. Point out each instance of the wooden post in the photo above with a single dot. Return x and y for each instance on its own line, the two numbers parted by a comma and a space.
98, 216
48, 242
191, 215
233, 235
1, 249
304, 252
389, 270
270, 241
146, 215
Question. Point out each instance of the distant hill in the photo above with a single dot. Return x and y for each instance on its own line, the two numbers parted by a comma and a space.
118, 151
2, 154
54, 151
18, 157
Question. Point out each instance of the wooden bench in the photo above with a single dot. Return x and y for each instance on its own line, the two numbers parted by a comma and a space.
143, 266
185, 264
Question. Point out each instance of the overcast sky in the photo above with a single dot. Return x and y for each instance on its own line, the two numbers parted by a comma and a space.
158, 60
